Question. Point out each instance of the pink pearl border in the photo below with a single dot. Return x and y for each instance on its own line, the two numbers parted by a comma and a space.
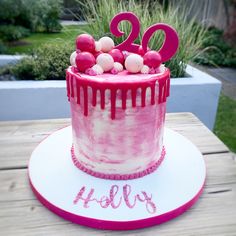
118, 176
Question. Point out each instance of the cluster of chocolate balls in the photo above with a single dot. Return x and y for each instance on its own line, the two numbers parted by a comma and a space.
96, 57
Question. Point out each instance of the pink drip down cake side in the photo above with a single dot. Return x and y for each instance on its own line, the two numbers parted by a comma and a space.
117, 122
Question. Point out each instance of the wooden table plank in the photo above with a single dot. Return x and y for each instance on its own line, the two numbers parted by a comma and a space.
213, 214
19, 138
192, 128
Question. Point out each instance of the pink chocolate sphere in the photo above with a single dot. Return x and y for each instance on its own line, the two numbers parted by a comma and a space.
152, 59
117, 55
84, 60
141, 51
85, 42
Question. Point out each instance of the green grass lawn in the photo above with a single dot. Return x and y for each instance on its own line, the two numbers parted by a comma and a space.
225, 126
26, 45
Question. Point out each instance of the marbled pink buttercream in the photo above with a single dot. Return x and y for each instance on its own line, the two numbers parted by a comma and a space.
117, 132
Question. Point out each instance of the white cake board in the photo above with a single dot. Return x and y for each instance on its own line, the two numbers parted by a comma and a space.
110, 204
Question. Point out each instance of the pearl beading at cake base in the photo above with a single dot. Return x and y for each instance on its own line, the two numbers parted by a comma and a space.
136, 175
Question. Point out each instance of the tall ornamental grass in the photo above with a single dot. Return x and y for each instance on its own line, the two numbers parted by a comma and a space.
99, 14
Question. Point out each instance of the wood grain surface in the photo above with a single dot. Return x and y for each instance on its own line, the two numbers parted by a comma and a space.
22, 214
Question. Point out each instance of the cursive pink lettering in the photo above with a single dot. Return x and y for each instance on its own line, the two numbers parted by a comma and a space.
150, 206
114, 190
114, 199
126, 193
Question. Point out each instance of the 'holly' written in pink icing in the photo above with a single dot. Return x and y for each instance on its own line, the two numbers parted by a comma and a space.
114, 200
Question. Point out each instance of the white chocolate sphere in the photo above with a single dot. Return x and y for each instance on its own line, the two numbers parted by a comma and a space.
98, 46
118, 66
72, 58
107, 44
98, 69
162, 68
106, 61
134, 63
145, 69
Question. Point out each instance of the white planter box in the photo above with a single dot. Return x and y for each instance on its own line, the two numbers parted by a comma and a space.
198, 94
26, 100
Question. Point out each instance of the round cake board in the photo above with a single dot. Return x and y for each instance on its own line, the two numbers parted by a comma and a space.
116, 204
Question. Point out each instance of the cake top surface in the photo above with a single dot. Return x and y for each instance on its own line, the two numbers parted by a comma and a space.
120, 77
100, 60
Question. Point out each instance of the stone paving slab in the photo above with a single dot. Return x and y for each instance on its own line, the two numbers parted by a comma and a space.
226, 75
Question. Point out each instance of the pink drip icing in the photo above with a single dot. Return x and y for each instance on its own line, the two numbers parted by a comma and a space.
168, 87
143, 97
68, 86
136, 175
133, 94
71, 79
113, 103
85, 88
94, 102
76, 81
153, 93
78, 91
102, 91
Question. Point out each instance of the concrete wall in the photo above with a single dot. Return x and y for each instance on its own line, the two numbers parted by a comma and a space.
26, 100
198, 94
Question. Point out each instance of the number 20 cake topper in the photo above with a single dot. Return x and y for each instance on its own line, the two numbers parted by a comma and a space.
170, 44
96, 57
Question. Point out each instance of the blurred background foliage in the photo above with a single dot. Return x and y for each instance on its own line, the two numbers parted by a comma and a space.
19, 17
29, 27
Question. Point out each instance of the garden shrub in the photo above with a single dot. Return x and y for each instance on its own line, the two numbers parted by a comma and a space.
24, 69
48, 62
45, 15
217, 52
191, 35
13, 32
3, 48
40, 15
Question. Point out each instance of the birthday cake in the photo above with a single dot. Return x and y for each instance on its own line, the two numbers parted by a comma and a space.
117, 95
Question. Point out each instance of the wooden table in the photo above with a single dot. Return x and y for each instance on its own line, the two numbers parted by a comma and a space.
22, 214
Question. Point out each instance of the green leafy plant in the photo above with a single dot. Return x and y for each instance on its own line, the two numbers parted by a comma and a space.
3, 48
191, 35
217, 51
40, 15
48, 62
12, 32
45, 15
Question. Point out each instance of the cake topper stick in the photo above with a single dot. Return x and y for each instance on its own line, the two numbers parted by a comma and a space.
170, 44
128, 44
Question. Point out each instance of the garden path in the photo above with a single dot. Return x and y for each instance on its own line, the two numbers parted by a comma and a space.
226, 75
